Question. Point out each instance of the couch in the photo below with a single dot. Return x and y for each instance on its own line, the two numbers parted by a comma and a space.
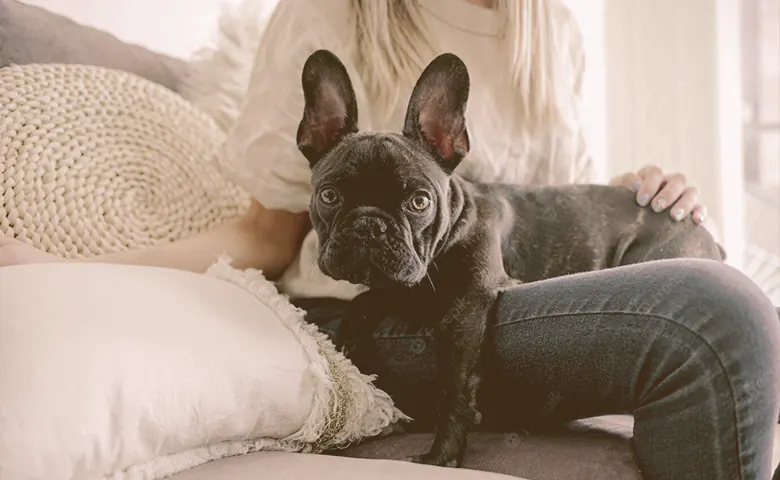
596, 448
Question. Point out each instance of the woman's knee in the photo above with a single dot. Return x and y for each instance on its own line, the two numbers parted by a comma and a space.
712, 297
730, 316
721, 361
701, 295
682, 311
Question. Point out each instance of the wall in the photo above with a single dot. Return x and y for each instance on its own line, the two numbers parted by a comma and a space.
591, 17
673, 77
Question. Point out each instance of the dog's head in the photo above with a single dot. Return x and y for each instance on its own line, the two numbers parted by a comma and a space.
381, 201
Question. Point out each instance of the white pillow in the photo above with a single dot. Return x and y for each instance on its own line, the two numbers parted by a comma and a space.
110, 371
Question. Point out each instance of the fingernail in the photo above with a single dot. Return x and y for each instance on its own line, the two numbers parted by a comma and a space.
637, 184
659, 205
700, 217
643, 199
678, 214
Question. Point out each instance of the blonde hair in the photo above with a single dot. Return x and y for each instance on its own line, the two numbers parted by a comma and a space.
394, 47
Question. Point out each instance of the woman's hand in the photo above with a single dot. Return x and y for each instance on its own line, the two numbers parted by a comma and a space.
664, 191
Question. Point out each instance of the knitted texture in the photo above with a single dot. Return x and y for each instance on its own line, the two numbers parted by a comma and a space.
95, 161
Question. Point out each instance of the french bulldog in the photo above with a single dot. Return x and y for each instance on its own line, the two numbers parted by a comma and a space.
391, 214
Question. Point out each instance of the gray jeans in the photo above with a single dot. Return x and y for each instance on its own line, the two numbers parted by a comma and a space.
691, 348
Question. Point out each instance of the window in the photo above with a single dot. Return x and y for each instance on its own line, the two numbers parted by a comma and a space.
761, 134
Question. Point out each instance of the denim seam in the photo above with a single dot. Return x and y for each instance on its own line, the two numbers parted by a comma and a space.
737, 423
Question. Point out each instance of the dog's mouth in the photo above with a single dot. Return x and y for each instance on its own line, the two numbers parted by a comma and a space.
376, 264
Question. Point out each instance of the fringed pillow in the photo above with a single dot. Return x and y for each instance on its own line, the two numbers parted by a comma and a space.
125, 372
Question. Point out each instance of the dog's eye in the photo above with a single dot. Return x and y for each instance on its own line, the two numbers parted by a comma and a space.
329, 195
419, 203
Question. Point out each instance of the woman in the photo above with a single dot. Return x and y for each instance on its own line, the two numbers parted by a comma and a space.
689, 347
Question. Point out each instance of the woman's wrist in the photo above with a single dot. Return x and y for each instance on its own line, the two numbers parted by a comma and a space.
273, 238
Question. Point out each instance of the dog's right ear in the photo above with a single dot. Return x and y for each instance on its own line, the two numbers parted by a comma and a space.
331, 108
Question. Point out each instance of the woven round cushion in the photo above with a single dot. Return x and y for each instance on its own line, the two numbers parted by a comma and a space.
94, 161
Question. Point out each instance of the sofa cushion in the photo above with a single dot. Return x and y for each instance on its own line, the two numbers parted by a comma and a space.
590, 449
296, 466
113, 371
583, 455
30, 34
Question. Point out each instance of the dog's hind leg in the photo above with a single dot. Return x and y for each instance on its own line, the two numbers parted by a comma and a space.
681, 241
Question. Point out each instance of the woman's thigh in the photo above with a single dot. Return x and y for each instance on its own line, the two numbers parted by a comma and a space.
589, 327
689, 347
598, 343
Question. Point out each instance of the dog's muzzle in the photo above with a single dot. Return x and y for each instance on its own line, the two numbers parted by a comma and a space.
370, 249
370, 228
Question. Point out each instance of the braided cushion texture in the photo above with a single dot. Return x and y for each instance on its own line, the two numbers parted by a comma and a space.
95, 161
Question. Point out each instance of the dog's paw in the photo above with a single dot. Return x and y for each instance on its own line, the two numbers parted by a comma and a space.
476, 415
436, 460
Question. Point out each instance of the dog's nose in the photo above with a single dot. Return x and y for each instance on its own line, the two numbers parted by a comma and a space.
371, 227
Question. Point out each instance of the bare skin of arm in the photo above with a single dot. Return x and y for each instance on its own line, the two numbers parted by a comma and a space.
263, 239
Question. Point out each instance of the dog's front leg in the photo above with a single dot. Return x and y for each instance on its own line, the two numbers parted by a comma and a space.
458, 340
356, 333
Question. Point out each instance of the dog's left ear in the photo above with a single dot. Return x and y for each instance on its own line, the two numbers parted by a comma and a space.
437, 110
331, 111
